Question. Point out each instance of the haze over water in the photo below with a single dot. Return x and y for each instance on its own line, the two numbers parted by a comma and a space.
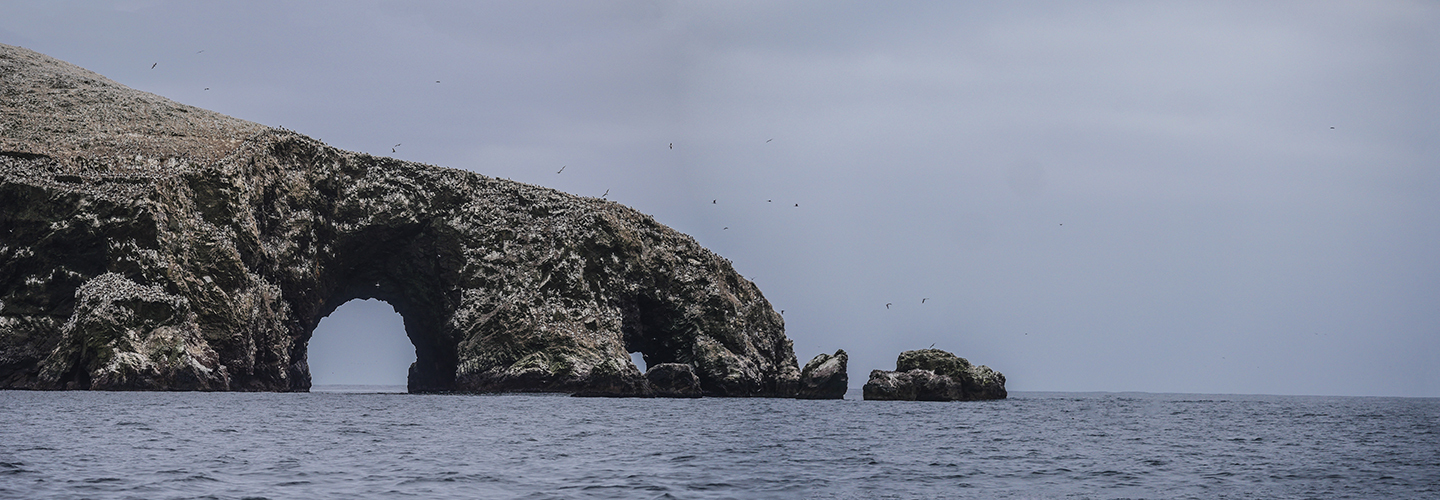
1033, 445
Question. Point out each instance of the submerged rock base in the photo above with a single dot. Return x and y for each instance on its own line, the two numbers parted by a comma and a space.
934, 375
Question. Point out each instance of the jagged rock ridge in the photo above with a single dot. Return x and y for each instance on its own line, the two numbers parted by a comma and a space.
149, 245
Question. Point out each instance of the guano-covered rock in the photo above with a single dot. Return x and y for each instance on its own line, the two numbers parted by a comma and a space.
149, 245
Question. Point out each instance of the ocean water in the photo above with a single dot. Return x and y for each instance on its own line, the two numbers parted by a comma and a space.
361, 442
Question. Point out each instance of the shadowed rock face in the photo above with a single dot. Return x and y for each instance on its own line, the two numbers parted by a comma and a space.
674, 380
150, 245
825, 377
934, 375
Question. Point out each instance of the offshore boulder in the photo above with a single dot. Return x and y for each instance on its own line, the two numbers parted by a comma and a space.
150, 245
825, 377
934, 375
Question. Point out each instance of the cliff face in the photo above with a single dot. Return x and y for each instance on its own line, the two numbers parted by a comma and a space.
150, 245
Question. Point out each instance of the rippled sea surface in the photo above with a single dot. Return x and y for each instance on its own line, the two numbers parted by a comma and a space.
1033, 445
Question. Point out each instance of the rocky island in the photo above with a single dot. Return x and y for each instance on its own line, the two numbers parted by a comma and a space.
150, 245
934, 375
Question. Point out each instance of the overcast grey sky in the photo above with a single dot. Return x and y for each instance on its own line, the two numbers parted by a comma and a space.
1166, 197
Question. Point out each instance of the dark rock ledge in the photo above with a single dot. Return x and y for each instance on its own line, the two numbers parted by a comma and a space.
934, 375
150, 245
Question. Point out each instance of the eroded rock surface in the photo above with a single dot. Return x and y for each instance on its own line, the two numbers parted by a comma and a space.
674, 380
934, 375
825, 377
150, 245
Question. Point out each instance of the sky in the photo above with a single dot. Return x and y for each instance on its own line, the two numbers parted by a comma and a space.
1192, 197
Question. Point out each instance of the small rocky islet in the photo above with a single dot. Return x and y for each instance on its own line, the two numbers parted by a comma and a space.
934, 375
151, 245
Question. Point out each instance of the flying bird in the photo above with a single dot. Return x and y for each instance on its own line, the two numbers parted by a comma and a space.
712, 202
607, 193
797, 204
152, 66
562, 169
724, 228
672, 145
932, 346
774, 139
887, 305
201, 50
1332, 128
922, 301
207, 88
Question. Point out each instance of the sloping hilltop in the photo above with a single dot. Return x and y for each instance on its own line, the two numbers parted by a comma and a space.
150, 245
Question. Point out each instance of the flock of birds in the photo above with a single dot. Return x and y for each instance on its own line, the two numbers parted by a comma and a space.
715, 201
671, 145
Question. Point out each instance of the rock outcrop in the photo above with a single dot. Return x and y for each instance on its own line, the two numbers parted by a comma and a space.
934, 375
149, 245
825, 377
674, 380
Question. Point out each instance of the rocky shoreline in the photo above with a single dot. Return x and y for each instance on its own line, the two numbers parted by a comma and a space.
150, 245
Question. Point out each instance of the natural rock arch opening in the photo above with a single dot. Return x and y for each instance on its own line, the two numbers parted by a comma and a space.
648, 328
362, 342
401, 266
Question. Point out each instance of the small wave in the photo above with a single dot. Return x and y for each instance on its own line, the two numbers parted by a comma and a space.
99, 480
198, 478
10, 468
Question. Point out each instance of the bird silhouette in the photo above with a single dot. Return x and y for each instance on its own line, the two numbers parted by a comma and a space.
672, 145
774, 139
562, 169
887, 305
932, 346
607, 193
724, 228
712, 202
152, 66
797, 204
922, 301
